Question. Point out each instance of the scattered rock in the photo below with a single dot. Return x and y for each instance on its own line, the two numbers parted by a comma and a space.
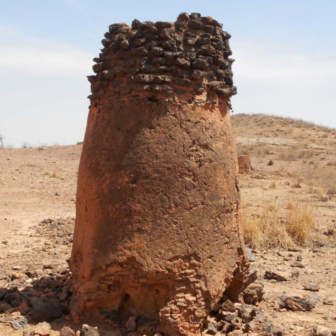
131, 324
250, 255
89, 331
46, 309
42, 329
330, 232
3, 293
328, 302
318, 243
17, 322
253, 293
294, 249
300, 300
278, 275
295, 274
67, 331
252, 277
323, 331
311, 286
297, 264
212, 329
4, 306
228, 306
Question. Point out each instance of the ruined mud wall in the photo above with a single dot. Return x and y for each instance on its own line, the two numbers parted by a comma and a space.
157, 232
244, 164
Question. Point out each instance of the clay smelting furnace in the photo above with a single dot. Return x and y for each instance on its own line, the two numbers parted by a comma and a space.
158, 234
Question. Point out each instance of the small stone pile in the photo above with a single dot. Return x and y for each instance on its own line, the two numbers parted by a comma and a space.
39, 290
230, 318
59, 231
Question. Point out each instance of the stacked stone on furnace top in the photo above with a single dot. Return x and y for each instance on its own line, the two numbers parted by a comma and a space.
188, 59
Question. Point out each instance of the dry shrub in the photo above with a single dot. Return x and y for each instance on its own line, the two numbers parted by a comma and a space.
263, 150
321, 181
284, 169
293, 154
258, 149
319, 191
328, 181
270, 230
265, 230
299, 221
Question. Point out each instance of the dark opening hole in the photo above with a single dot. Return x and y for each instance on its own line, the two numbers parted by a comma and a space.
125, 298
153, 100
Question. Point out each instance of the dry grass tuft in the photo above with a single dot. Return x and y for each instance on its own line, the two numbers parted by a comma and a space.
265, 230
299, 222
320, 180
270, 230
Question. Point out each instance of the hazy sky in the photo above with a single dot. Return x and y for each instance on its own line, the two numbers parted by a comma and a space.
285, 55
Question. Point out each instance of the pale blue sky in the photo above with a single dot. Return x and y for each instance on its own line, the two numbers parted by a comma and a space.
285, 55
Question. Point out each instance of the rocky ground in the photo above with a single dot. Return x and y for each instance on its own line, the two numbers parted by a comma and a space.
297, 285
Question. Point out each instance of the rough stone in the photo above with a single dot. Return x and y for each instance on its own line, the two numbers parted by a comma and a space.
322, 331
46, 309
250, 255
89, 331
3, 293
228, 306
42, 329
298, 264
311, 286
278, 275
300, 300
253, 293
4, 306
131, 324
67, 331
